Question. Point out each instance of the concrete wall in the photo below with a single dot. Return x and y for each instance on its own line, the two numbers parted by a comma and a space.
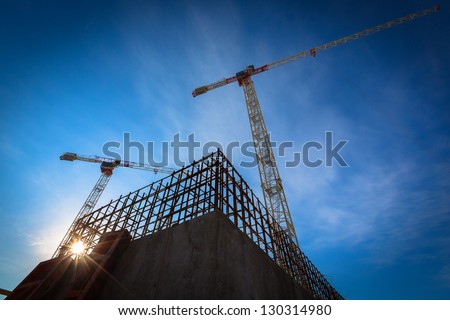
204, 258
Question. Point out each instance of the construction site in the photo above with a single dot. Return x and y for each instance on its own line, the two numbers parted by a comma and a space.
198, 233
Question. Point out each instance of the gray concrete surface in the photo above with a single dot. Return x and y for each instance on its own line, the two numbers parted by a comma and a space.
204, 258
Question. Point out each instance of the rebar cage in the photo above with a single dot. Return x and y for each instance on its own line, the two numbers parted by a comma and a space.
206, 185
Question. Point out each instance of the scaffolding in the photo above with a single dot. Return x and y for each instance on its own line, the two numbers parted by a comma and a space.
207, 185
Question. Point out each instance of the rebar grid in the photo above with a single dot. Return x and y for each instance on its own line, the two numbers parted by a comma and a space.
206, 185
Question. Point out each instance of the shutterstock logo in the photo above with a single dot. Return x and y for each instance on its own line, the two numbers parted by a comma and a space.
313, 154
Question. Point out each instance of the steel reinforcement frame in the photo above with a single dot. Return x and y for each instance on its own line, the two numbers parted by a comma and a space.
209, 184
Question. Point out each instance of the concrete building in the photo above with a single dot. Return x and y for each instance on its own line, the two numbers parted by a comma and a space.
200, 233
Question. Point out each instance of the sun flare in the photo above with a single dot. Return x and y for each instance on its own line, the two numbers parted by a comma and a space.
78, 248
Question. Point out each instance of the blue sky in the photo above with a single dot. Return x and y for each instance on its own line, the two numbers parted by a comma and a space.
75, 75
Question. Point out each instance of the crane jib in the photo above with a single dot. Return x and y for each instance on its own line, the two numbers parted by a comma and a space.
313, 51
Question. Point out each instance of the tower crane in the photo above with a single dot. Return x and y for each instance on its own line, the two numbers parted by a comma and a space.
107, 166
274, 196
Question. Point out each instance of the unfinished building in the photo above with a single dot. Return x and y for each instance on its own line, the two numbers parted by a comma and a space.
200, 233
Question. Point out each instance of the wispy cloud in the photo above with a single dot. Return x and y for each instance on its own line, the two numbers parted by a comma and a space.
376, 212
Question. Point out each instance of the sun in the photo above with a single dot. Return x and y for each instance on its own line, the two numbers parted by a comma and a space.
78, 248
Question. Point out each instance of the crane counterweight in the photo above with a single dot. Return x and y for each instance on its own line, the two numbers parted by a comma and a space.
68, 156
